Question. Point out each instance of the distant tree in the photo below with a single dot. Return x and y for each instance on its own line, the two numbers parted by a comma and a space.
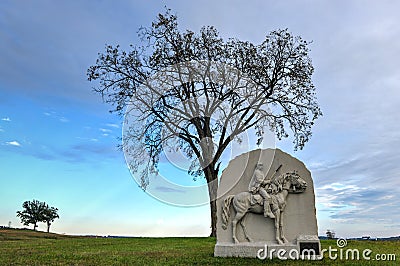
35, 212
209, 103
49, 215
32, 212
330, 234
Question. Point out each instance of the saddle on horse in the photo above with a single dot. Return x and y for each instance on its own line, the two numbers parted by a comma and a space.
256, 199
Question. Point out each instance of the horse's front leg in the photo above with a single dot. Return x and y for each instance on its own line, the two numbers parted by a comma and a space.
277, 231
281, 228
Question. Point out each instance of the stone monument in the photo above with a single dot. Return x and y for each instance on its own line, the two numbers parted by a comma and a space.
266, 207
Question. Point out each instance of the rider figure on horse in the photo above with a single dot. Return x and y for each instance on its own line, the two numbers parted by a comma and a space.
257, 186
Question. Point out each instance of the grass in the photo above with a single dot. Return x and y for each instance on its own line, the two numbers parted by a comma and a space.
25, 247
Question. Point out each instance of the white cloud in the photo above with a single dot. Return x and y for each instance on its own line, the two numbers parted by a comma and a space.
339, 187
113, 125
105, 130
64, 120
13, 143
55, 115
7, 119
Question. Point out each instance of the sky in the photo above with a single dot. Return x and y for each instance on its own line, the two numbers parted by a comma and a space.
58, 141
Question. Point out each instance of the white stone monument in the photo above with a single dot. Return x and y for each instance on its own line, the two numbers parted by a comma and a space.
266, 206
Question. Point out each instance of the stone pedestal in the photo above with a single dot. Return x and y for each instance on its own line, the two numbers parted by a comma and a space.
251, 250
307, 247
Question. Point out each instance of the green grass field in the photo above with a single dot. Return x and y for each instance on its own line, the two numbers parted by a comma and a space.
25, 247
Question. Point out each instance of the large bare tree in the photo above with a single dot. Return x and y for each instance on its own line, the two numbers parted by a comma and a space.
205, 92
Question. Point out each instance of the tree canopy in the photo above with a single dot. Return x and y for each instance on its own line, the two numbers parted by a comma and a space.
205, 92
36, 211
49, 215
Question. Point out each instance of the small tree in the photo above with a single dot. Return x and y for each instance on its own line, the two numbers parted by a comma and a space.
32, 213
330, 234
49, 215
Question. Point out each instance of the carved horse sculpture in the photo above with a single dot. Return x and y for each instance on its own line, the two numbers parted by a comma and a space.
288, 183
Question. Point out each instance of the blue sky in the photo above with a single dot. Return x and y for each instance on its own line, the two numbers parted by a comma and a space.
58, 140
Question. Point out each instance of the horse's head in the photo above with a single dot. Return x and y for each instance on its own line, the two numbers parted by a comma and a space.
294, 183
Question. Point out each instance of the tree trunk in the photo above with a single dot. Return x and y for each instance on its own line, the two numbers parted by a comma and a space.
34, 227
213, 209
48, 227
212, 179
211, 169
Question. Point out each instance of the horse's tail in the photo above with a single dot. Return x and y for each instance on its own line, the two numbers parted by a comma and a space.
226, 211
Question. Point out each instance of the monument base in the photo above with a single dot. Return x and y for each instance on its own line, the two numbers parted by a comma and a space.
306, 247
251, 250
